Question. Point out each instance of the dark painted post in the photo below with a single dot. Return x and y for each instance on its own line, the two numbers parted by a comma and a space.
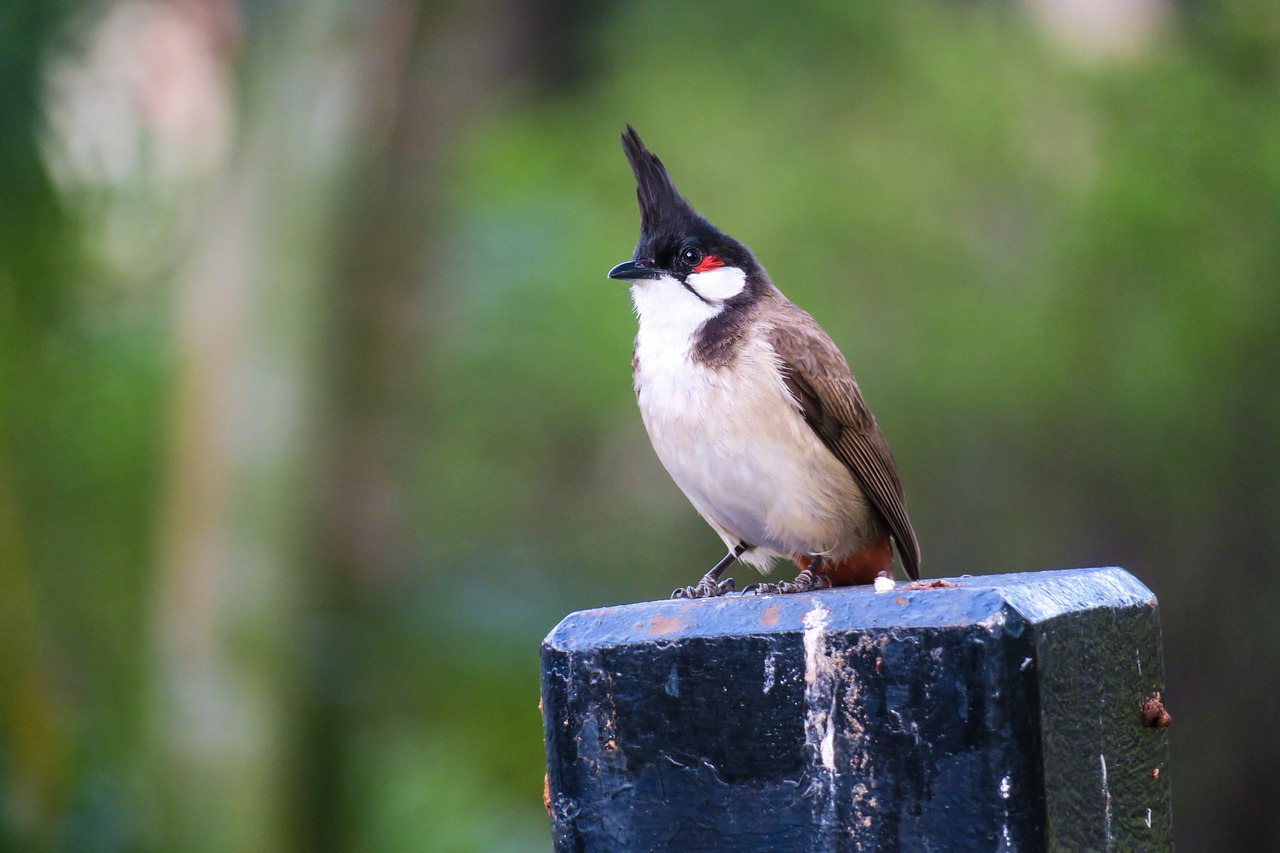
1009, 712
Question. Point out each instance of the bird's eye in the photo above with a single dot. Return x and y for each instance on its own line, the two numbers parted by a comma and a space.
691, 256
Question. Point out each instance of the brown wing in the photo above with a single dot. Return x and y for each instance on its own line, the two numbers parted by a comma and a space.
824, 388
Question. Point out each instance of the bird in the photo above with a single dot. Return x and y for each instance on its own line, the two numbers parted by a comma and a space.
751, 407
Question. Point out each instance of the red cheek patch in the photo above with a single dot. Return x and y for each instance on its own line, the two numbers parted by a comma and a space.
710, 262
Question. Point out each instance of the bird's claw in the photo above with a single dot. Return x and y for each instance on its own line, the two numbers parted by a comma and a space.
806, 581
706, 588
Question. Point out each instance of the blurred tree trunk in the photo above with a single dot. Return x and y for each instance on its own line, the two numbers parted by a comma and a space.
390, 271
304, 334
39, 248
263, 332
234, 588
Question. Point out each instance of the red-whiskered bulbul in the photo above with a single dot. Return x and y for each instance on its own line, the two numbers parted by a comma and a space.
752, 408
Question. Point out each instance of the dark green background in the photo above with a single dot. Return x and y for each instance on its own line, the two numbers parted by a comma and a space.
315, 407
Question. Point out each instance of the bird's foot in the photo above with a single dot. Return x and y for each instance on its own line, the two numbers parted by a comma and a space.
708, 587
806, 581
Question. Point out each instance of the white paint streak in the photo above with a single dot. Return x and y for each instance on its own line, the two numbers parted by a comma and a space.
815, 623
769, 672
1006, 838
1148, 818
1106, 800
829, 746
820, 678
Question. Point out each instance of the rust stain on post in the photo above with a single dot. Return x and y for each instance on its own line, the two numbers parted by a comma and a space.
1154, 713
664, 625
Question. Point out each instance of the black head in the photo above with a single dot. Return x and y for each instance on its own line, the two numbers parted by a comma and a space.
674, 238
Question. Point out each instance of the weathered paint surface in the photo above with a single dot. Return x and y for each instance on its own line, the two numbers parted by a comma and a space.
997, 713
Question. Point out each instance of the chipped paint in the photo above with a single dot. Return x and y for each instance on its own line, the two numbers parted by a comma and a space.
994, 621
770, 672
860, 752
597, 735
862, 808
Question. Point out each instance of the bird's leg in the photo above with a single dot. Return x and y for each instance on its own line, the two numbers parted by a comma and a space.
810, 579
710, 586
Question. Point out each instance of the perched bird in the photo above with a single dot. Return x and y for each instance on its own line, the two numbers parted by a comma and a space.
752, 408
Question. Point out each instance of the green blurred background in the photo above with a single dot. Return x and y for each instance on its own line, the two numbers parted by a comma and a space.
315, 405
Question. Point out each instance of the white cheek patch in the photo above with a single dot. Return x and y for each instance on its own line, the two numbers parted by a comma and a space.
718, 284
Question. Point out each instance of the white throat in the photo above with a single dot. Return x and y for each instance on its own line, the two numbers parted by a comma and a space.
669, 310
666, 309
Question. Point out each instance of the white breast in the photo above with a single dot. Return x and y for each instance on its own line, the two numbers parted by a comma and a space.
734, 440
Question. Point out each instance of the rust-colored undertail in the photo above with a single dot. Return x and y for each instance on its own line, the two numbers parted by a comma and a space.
857, 568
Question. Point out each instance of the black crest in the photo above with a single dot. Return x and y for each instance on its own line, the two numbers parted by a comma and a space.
662, 208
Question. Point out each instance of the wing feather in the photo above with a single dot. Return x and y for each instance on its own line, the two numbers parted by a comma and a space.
828, 397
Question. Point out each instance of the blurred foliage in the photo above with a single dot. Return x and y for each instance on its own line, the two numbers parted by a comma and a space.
315, 408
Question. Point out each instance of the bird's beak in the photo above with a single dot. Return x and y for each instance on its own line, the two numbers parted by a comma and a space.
633, 270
